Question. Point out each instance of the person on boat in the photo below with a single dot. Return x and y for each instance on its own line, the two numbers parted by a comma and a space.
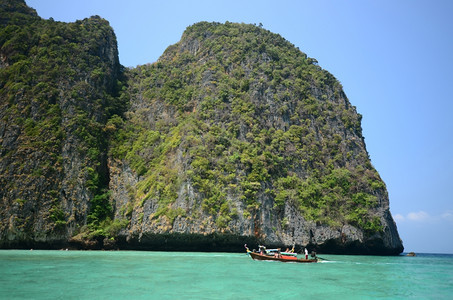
306, 253
247, 249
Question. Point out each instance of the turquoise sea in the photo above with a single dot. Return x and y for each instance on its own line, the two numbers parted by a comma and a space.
40, 274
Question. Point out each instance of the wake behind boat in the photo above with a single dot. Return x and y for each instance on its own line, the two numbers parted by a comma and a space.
278, 256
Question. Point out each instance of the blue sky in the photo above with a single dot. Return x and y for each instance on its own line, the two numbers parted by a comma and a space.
393, 58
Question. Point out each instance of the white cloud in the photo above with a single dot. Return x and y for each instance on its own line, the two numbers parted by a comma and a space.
418, 216
448, 215
398, 218
422, 216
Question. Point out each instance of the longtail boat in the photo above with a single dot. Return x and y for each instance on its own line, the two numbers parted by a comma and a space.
282, 258
278, 256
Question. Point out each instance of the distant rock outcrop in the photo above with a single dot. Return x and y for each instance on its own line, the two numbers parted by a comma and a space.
234, 136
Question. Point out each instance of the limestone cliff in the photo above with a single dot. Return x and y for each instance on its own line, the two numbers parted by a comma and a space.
235, 133
234, 136
58, 86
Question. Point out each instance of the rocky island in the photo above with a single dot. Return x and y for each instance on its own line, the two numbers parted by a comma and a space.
233, 136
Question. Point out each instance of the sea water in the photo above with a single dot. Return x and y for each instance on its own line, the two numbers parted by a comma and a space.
37, 274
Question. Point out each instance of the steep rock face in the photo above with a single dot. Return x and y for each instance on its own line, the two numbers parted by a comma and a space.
235, 133
234, 136
57, 86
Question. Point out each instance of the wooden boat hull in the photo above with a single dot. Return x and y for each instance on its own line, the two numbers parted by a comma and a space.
257, 256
